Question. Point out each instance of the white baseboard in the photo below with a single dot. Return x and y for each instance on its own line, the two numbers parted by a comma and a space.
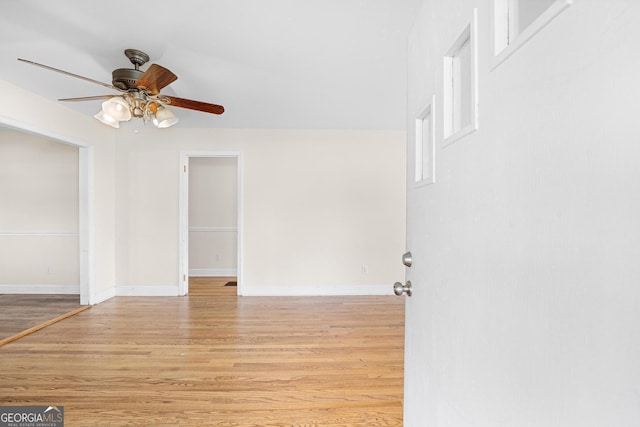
146, 291
40, 289
317, 290
213, 272
136, 291
105, 295
250, 290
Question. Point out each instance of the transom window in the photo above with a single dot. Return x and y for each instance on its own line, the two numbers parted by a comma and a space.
460, 86
516, 21
425, 147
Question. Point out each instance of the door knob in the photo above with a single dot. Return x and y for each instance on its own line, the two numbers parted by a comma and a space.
399, 288
407, 259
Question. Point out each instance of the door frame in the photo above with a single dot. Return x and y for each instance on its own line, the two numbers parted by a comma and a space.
183, 216
86, 190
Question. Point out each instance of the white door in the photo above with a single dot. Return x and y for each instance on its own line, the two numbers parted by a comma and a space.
420, 409
419, 351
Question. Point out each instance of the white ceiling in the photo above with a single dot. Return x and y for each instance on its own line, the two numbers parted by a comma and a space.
330, 64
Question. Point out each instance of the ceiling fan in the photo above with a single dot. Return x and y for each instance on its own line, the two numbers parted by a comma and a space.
140, 94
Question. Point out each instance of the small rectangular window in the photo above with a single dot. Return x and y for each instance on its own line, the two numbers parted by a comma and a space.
525, 12
424, 146
460, 86
516, 21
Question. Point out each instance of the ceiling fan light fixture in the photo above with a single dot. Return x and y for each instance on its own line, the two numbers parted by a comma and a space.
107, 119
117, 108
141, 95
164, 118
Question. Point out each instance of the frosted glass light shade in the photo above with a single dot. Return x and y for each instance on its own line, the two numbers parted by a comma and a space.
107, 119
164, 118
117, 108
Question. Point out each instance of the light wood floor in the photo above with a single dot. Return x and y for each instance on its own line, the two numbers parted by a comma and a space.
19, 313
212, 286
216, 360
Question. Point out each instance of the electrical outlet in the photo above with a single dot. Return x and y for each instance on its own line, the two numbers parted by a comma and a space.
365, 269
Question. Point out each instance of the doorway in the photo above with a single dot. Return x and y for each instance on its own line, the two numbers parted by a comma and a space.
46, 230
210, 219
82, 233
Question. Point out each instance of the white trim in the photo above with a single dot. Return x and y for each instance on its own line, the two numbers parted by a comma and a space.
240, 224
104, 295
213, 229
38, 131
317, 290
147, 291
428, 111
37, 234
470, 33
85, 201
183, 216
183, 226
213, 272
499, 25
86, 225
40, 289
503, 49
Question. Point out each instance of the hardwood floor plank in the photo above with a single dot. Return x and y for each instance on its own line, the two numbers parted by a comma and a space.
217, 360
42, 325
19, 313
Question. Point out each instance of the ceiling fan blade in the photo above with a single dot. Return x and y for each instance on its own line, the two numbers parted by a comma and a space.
88, 98
194, 105
155, 78
70, 74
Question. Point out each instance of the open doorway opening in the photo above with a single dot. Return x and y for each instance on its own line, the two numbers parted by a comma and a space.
39, 232
210, 224
45, 233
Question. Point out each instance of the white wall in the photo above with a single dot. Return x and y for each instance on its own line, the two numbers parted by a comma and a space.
34, 114
534, 224
317, 206
213, 216
38, 215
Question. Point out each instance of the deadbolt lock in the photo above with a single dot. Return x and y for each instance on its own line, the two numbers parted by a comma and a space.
407, 259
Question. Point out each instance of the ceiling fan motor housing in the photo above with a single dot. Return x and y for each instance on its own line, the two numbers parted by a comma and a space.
125, 78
